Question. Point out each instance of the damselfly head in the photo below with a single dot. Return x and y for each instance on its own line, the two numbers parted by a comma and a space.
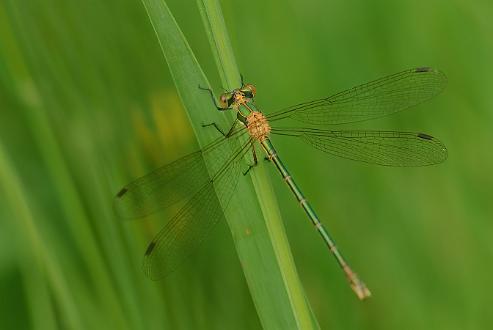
249, 91
237, 97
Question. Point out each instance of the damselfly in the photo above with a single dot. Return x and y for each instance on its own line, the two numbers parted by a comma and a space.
208, 177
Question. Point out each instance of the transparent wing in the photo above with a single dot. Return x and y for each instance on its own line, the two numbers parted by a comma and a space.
386, 148
173, 182
371, 100
186, 230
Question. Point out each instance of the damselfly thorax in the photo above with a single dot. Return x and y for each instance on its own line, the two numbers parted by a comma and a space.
258, 126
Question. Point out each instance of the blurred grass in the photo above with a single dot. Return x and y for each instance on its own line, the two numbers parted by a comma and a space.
85, 97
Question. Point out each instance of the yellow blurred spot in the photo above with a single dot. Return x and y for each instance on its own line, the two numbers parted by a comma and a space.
173, 127
168, 133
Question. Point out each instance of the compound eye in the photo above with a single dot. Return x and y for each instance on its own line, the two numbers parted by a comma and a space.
249, 90
225, 100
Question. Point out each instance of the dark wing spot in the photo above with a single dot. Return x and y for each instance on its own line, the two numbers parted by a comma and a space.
423, 69
150, 248
121, 192
425, 136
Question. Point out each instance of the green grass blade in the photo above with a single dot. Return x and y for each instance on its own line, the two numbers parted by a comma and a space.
35, 100
256, 227
40, 259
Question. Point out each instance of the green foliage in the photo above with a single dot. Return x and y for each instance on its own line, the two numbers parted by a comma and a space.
87, 104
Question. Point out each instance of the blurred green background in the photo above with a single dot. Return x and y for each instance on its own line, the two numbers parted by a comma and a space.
87, 104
